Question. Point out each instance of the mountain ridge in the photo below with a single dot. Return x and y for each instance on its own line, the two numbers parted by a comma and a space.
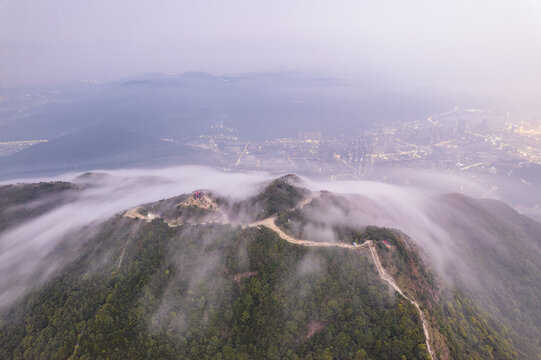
399, 257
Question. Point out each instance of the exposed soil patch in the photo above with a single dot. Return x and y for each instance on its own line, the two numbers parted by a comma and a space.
238, 277
313, 327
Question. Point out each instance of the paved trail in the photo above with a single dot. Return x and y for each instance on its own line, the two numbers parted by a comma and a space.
387, 278
270, 223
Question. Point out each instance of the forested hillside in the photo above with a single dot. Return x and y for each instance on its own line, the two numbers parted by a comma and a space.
197, 277
21, 202
211, 292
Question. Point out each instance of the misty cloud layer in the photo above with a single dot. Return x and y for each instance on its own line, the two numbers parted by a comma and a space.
364, 203
27, 251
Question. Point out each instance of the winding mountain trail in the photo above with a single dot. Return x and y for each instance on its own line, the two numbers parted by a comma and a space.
271, 224
389, 280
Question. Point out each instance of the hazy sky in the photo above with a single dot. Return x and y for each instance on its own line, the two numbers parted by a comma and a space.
489, 46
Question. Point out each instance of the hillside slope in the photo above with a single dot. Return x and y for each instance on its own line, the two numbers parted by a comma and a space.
212, 291
202, 276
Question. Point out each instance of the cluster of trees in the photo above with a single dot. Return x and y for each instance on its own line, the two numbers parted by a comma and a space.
278, 196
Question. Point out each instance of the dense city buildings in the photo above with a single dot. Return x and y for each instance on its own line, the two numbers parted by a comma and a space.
462, 140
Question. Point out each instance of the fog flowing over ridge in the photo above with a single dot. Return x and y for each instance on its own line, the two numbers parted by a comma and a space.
408, 209
27, 250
